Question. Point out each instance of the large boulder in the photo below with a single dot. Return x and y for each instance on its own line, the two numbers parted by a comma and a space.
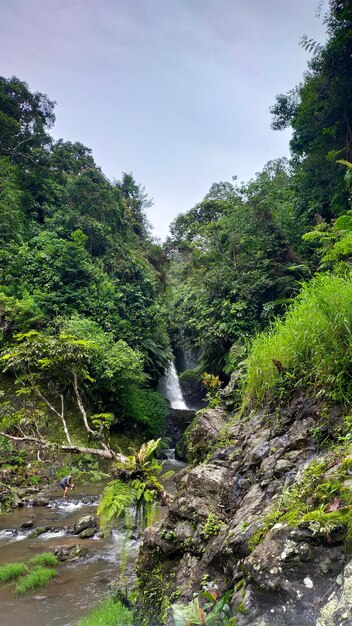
201, 435
87, 521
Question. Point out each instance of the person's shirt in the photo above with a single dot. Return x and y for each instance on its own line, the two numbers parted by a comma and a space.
65, 481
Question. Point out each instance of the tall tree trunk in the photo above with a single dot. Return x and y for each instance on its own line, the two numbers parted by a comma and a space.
80, 404
60, 415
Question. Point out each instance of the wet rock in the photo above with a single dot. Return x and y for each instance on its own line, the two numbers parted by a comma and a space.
177, 422
40, 500
89, 499
69, 553
39, 531
27, 524
87, 521
87, 533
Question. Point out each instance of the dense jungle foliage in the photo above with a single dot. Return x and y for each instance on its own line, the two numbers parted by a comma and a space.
80, 286
239, 257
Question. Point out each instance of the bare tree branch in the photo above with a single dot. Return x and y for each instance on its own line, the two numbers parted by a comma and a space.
106, 454
42, 443
39, 442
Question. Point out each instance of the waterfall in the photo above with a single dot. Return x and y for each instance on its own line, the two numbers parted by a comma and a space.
171, 389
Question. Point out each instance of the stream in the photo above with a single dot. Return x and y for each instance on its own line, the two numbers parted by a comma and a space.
80, 585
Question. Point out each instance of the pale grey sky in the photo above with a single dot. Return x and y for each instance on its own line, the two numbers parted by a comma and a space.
176, 91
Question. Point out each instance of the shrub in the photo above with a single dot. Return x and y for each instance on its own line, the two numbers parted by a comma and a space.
39, 577
148, 407
110, 613
46, 559
310, 347
212, 525
11, 571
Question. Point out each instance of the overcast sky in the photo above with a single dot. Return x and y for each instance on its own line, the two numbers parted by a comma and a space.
176, 91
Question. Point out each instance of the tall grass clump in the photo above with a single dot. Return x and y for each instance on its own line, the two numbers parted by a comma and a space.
46, 559
110, 613
311, 346
38, 577
11, 571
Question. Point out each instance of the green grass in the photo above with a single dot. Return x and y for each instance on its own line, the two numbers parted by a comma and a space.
11, 571
39, 577
313, 343
46, 559
110, 613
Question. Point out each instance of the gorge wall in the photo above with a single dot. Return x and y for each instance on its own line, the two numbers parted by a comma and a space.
263, 510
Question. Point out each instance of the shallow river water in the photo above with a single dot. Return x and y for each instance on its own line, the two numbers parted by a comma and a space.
80, 585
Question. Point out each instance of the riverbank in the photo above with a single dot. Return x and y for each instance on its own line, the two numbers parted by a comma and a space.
82, 583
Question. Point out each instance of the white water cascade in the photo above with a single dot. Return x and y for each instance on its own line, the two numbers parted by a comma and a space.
171, 389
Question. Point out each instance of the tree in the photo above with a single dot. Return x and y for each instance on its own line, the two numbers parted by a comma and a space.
25, 118
11, 214
319, 111
54, 368
135, 202
230, 264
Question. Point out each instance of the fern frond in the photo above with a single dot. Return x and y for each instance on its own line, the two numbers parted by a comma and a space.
169, 474
117, 497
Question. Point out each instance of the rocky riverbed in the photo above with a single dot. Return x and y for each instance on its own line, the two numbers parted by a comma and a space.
90, 563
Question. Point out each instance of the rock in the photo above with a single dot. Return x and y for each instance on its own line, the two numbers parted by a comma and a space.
87, 533
39, 501
192, 389
202, 433
190, 508
230, 395
282, 466
189, 571
204, 480
87, 521
177, 422
69, 553
287, 572
39, 531
89, 499
183, 530
27, 524
338, 611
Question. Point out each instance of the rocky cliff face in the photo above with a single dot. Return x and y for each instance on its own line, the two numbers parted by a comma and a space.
266, 513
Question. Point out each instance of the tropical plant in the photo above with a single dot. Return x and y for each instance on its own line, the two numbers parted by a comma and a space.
213, 612
137, 486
